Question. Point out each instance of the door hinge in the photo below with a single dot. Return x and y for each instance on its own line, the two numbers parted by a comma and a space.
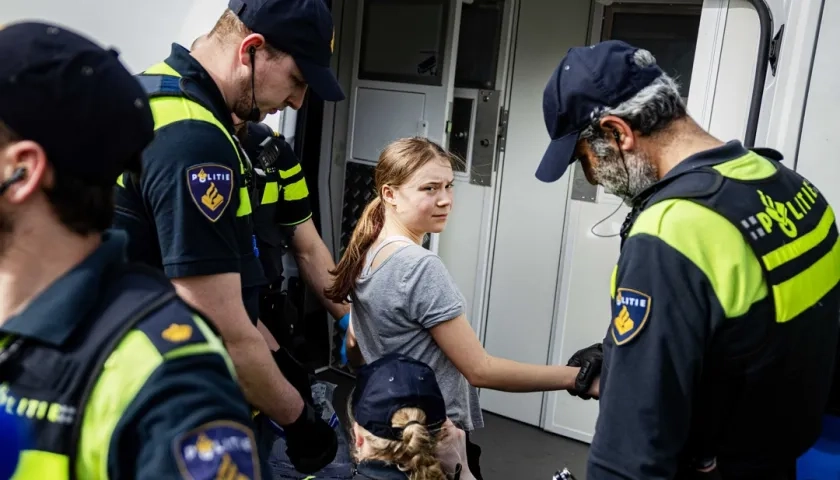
776, 50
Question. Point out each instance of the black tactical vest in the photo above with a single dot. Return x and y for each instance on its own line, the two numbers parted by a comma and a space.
50, 386
743, 409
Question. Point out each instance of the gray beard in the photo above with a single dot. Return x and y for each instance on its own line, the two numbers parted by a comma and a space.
622, 178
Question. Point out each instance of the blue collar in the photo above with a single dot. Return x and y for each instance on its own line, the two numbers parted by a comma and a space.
724, 153
199, 85
54, 314
729, 151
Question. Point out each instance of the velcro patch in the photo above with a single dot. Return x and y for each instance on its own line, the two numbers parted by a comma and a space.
220, 449
211, 188
170, 328
631, 310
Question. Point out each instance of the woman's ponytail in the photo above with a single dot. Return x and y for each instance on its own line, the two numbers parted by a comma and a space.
418, 453
349, 268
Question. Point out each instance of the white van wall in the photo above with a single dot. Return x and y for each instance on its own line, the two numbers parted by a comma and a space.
141, 31
529, 237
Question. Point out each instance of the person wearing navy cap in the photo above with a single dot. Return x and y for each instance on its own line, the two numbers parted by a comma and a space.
191, 212
399, 425
719, 356
106, 370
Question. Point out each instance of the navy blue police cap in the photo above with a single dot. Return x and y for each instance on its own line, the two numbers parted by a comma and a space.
75, 99
588, 79
301, 28
391, 383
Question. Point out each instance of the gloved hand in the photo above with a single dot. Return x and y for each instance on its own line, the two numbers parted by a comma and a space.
343, 325
590, 360
311, 444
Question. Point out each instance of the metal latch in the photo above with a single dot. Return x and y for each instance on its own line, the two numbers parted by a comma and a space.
776, 50
503, 128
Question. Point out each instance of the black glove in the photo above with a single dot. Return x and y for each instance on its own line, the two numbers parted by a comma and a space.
590, 360
311, 444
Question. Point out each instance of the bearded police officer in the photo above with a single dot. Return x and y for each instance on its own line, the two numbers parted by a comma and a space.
113, 374
190, 213
719, 356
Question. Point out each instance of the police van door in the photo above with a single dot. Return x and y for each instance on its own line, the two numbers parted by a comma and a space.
712, 48
409, 79
403, 76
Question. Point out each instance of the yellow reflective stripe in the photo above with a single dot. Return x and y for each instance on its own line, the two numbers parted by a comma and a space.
713, 245
271, 194
612, 281
284, 174
296, 223
168, 110
120, 180
799, 293
38, 465
749, 167
794, 249
126, 371
214, 345
296, 191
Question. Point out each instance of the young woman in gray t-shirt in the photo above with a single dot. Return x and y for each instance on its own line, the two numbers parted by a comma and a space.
404, 300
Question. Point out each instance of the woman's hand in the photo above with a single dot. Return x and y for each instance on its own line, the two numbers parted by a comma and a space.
452, 451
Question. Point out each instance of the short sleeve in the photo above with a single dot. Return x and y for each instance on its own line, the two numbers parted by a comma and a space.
190, 183
294, 205
653, 354
433, 297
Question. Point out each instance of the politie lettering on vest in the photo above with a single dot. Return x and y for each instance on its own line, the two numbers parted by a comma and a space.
202, 184
727, 283
99, 358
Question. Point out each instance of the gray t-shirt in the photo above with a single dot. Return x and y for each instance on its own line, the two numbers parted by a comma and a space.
393, 307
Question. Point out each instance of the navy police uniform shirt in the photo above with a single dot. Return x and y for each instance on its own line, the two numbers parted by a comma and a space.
188, 418
688, 285
164, 213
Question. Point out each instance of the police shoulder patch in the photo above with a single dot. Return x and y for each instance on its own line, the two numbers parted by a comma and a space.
171, 327
631, 310
211, 188
218, 449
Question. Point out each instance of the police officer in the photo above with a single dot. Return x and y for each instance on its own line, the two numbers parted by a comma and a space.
113, 374
719, 356
287, 223
190, 211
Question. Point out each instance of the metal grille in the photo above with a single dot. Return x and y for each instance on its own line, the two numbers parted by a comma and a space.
359, 189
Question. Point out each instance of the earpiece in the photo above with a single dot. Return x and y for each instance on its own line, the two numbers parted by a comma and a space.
617, 136
17, 176
254, 114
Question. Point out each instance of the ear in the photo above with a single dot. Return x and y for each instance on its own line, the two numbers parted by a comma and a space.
612, 125
31, 158
253, 41
389, 195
